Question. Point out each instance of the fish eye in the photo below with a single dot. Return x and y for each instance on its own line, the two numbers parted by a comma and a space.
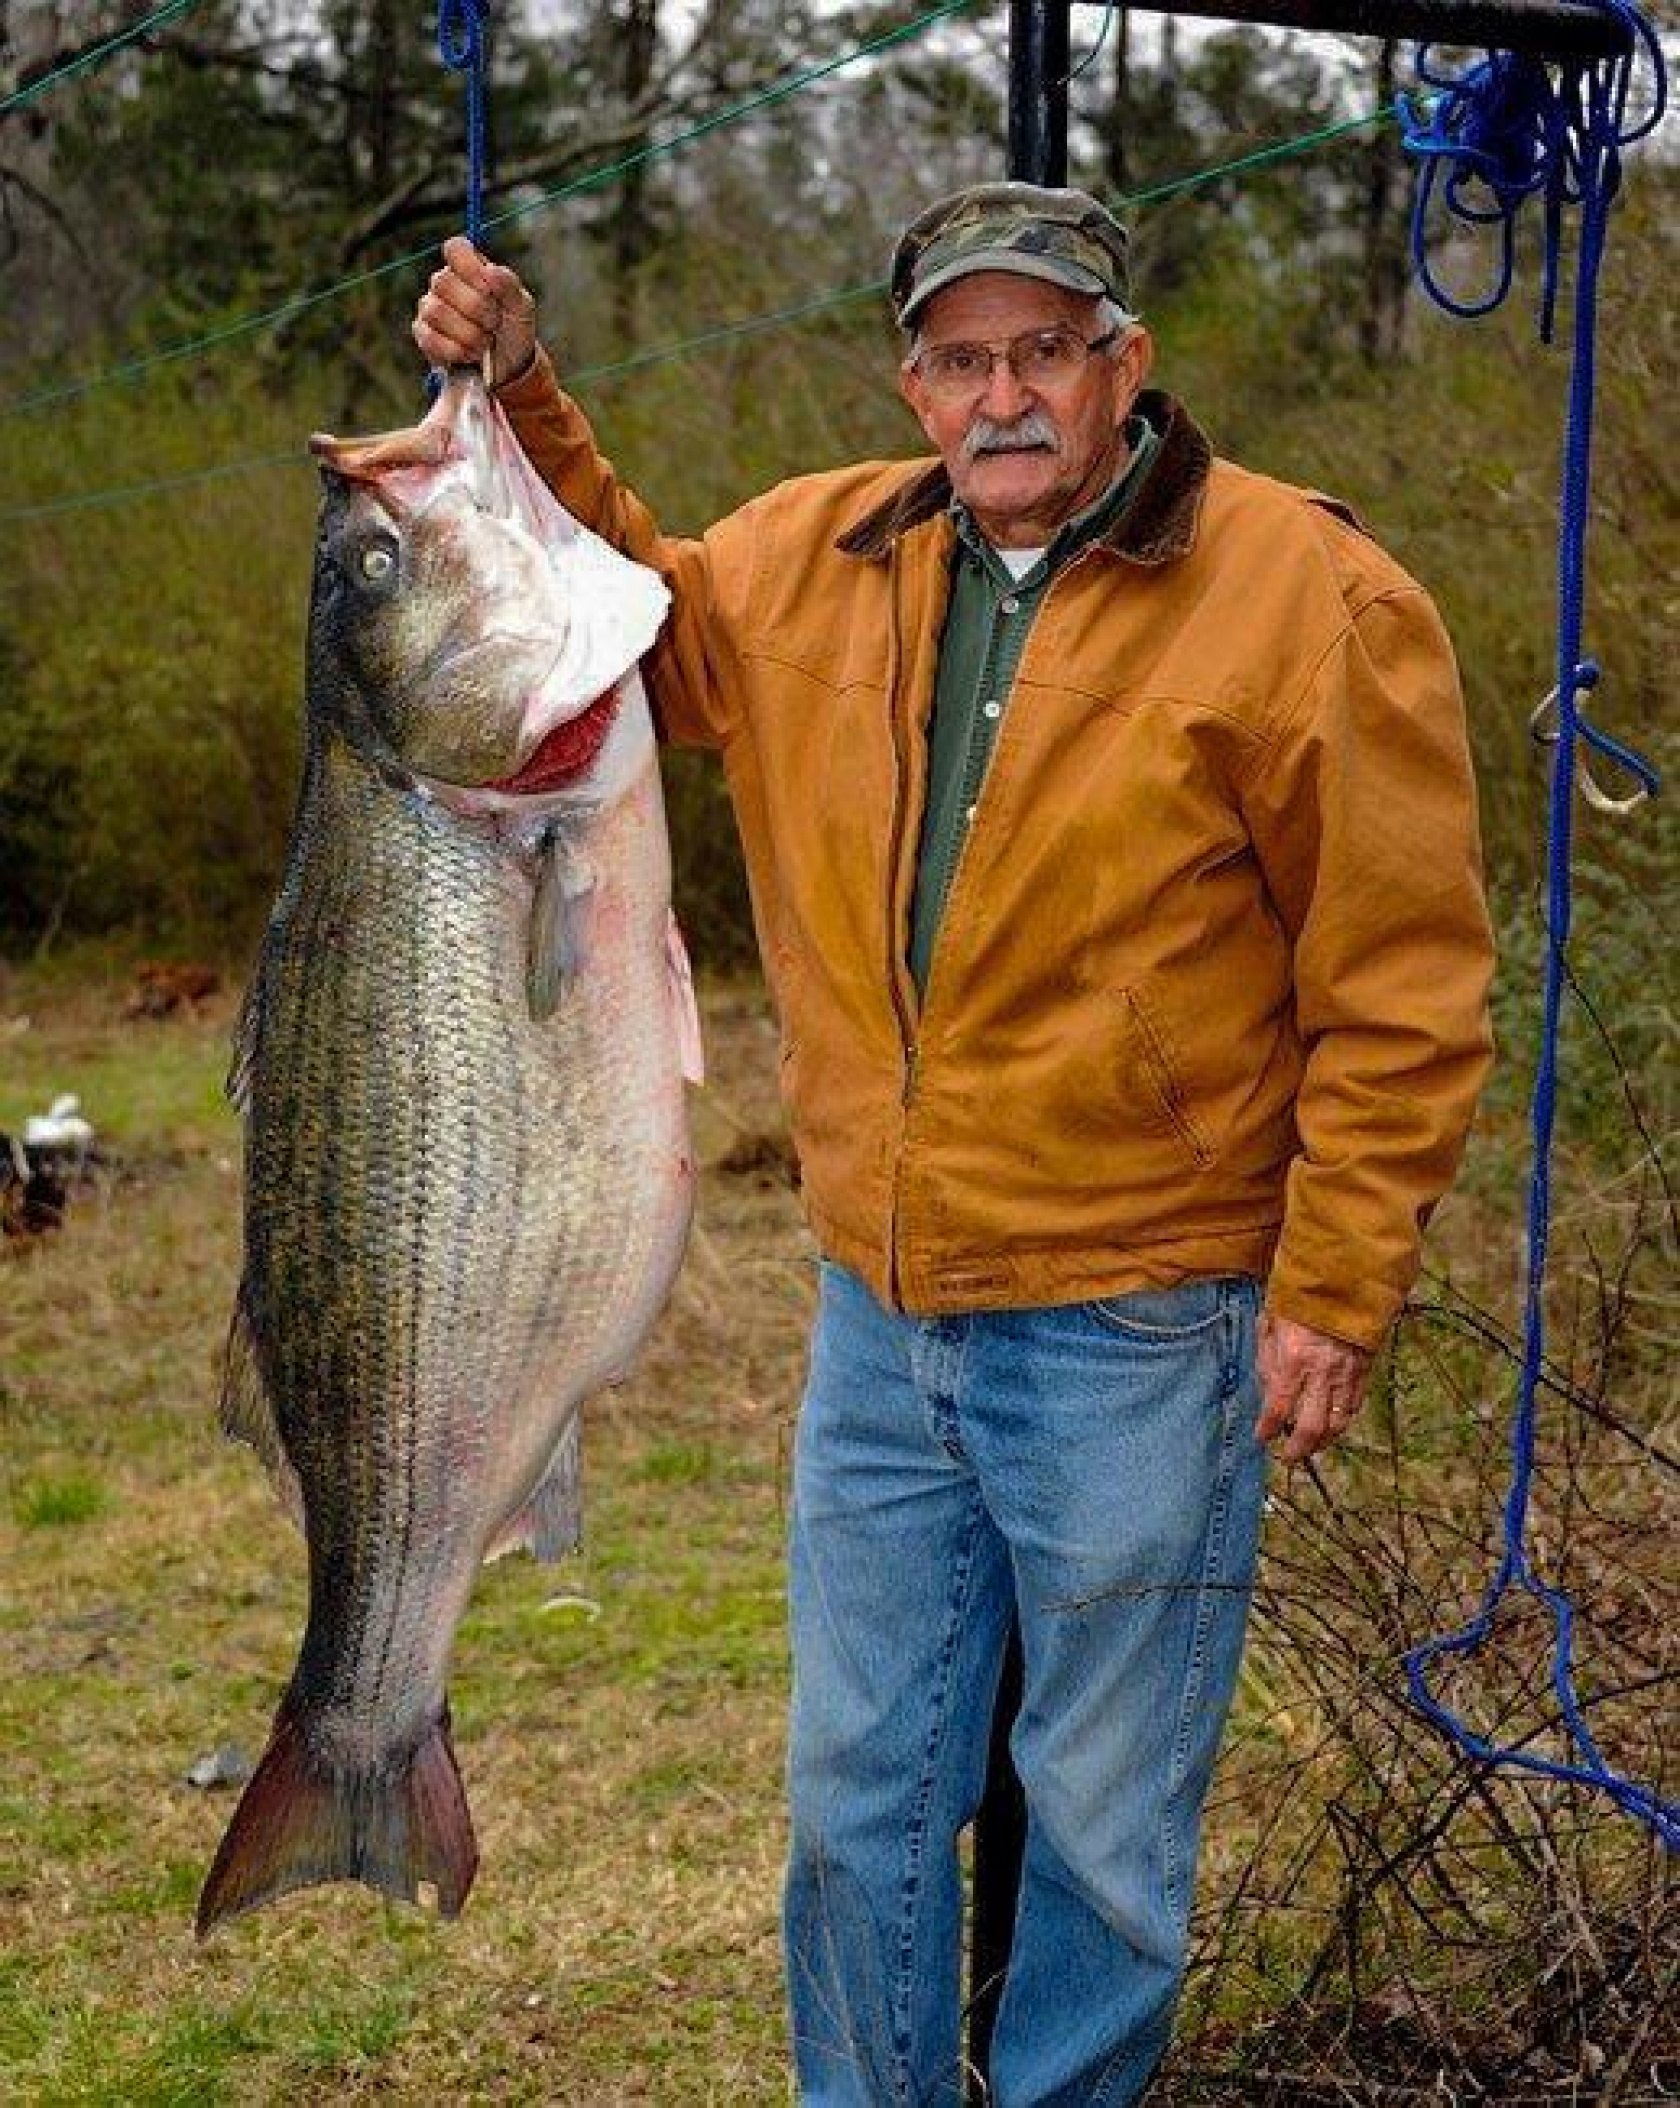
377, 563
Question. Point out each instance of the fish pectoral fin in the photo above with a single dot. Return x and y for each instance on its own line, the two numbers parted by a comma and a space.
551, 1522
557, 942
685, 1011
247, 1410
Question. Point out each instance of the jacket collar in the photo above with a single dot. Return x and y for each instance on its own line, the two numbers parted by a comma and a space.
1158, 526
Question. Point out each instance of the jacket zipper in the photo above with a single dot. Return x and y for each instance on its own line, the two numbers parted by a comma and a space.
1078, 557
906, 1027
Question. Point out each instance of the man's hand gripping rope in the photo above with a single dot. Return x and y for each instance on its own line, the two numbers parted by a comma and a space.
476, 313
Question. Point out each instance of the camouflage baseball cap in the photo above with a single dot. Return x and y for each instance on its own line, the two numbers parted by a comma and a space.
1063, 236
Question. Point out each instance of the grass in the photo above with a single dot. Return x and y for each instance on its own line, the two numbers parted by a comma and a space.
618, 1719
45, 1503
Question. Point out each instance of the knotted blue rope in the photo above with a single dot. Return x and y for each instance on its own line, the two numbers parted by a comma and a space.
460, 38
1505, 130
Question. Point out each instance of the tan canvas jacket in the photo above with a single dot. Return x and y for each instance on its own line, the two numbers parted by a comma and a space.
1209, 994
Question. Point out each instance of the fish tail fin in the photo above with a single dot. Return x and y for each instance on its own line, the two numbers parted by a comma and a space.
301, 1822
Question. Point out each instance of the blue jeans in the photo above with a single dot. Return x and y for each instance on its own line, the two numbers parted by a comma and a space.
1095, 1469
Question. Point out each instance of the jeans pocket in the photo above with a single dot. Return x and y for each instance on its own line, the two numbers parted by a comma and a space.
1161, 1315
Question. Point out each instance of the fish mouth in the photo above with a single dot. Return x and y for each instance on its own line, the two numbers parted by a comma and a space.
570, 750
426, 445
451, 442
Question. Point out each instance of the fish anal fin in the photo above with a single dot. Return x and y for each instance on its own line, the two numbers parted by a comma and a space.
551, 1522
247, 1410
301, 1822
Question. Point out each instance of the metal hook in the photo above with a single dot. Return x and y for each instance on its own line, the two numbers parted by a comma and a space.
1543, 727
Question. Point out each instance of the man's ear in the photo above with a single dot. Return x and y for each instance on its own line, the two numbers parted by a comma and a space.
914, 391
1133, 363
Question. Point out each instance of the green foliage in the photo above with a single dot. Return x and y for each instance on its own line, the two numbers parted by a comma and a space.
150, 654
679, 1464
46, 1503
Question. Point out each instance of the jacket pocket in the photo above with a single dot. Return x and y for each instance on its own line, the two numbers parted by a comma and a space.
1152, 1076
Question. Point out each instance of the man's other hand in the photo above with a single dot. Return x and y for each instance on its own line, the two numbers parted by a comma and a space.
476, 312
1311, 1386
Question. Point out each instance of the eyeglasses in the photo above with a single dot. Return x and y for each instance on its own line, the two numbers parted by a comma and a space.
1041, 358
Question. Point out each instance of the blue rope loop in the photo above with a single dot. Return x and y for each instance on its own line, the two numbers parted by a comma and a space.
1505, 130
461, 28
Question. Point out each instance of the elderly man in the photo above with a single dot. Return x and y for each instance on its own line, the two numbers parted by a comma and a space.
1113, 853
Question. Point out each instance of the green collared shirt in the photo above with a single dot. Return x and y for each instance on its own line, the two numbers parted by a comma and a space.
986, 628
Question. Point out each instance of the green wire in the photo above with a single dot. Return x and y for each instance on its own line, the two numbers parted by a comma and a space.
300, 303
90, 500
155, 20
751, 325
1264, 154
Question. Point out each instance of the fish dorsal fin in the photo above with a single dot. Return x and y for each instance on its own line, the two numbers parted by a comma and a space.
247, 1410
557, 942
551, 1522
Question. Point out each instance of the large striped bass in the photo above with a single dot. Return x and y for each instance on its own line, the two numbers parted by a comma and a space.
468, 1176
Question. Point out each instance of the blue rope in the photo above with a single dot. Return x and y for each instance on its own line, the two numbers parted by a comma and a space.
1505, 130
460, 42
460, 37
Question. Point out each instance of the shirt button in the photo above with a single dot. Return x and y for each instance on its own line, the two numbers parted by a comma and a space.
1010, 606
994, 710
969, 814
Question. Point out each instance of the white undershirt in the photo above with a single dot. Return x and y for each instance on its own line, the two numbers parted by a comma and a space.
1018, 562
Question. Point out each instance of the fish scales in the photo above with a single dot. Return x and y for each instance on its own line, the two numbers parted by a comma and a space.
425, 1218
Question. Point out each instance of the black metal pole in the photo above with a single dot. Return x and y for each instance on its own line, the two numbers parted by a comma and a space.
1549, 28
1038, 90
1000, 1843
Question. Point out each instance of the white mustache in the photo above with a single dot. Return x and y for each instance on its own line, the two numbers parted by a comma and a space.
987, 436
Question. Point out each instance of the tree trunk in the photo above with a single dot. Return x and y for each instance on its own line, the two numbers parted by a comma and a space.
632, 226
1387, 262
371, 55
383, 50
1117, 145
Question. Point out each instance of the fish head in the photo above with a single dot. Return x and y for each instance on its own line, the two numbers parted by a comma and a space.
457, 634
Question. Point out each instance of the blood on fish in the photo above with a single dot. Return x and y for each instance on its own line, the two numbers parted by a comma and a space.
568, 751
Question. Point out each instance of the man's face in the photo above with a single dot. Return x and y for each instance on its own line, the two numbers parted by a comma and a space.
1024, 458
